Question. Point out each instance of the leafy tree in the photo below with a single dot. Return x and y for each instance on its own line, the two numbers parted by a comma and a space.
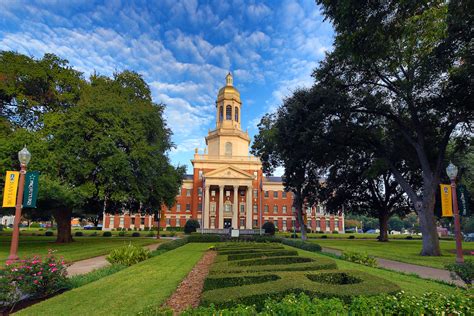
395, 223
405, 67
191, 226
269, 228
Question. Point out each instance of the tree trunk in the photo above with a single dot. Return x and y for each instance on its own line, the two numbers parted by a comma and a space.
428, 227
63, 218
383, 225
299, 215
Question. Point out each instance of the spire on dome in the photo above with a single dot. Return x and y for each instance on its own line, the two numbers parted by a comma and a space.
229, 80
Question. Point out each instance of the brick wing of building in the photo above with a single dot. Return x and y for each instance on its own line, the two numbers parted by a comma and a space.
227, 188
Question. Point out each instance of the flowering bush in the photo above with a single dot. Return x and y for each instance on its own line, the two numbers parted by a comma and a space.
360, 258
33, 277
128, 255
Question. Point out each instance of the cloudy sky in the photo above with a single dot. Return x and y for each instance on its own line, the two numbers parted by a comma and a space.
183, 49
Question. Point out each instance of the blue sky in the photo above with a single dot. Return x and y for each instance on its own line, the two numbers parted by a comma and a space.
183, 49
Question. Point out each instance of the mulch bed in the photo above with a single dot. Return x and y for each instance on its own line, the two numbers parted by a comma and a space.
188, 293
26, 303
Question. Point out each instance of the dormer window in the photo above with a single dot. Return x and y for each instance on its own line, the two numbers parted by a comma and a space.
228, 113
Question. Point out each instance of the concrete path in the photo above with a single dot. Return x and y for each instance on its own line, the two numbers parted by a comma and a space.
87, 265
421, 271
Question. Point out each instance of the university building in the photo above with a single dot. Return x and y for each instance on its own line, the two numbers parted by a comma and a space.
227, 188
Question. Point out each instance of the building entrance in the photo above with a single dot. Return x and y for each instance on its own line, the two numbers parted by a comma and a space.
227, 222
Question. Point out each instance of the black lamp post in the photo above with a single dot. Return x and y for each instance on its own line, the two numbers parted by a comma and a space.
452, 172
157, 219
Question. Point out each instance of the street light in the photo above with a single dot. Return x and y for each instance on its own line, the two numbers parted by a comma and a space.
452, 172
157, 219
24, 156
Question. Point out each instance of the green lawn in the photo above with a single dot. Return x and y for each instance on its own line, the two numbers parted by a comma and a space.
407, 283
81, 248
126, 292
399, 250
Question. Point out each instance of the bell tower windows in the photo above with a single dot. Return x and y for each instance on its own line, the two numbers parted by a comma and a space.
228, 112
236, 114
221, 113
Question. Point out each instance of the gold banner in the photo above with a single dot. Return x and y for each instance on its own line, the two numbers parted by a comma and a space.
11, 186
446, 200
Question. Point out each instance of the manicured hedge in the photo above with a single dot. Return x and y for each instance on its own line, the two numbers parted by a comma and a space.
218, 283
260, 254
309, 246
245, 250
274, 261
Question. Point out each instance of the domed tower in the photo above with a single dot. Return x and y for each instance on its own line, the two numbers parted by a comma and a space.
228, 139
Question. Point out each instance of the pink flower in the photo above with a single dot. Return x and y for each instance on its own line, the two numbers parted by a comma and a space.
35, 281
54, 270
39, 273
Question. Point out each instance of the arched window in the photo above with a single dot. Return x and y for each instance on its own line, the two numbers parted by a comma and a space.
228, 149
221, 113
228, 113
236, 114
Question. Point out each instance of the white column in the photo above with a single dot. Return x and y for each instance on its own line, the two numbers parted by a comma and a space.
249, 208
221, 207
235, 214
205, 213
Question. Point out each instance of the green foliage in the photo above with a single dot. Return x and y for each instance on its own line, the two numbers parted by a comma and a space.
218, 283
78, 234
121, 233
302, 245
398, 304
261, 254
35, 225
128, 255
107, 234
49, 233
463, 271
334, 278
269, 228
135, 234
173, 244
205, 238
191, 226
83, 279
360, 258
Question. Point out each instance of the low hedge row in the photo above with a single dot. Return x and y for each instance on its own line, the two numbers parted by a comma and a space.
399, 304
245, 250
217, 283
309, 246
273, 261
225, 267
226, 238
260, 254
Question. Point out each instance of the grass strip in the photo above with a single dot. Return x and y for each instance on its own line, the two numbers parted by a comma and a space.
128, 291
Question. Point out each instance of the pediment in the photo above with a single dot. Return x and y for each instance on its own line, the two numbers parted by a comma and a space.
228, 172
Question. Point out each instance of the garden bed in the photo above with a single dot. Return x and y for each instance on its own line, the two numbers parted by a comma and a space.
262, 272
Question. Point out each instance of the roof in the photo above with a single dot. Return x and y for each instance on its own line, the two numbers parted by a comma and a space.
188, 177
274, 179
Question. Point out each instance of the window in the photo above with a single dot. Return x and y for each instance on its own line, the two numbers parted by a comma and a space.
336, 224
199, 207
242, 193
213, 222
255, 209
328, 225
255, 194
283, 195
242, 222
188, 192
112, 221
266, 209
177, 222
310, 224
221, 113
283, 209
275, 209
213, 208
284, 224
199, 191
167, 209
228, 149
121, 220
293, 209
168, 222
142, 221
188, 207
200, 174
266, 194
179, 190
227, 193
228, 207
318, 223
178, 207
242, 208
213, 193
293, 223
275, 194
236, 114
255, 223
228, 113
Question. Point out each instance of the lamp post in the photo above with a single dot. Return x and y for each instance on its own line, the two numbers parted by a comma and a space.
158, 219
24, 156
452, 172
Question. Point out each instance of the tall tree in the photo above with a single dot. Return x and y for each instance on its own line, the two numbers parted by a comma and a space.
403, 65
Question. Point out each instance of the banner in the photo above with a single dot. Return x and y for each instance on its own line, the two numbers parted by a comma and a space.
31, 189
11, 187
463, 200
446, 200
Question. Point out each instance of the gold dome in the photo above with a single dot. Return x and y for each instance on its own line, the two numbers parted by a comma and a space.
228, 92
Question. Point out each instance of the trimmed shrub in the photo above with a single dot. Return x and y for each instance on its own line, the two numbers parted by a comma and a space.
204, 238
35, 225
308, 246
335, 232
409, 237
191, 226
262, 254
78, 234
352, 237
463, 271
217, 283
334, 278
324, 237
107, 234
128, 255
360, 258
121, 233
49, 233
269, 228
173, 244
151, 234
135, 234
94, 234
274, 261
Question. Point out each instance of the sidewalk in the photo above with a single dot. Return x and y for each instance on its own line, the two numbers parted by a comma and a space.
421, 271
87, 265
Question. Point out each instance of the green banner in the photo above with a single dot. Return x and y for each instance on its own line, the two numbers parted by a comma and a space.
31, 189
463, 200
